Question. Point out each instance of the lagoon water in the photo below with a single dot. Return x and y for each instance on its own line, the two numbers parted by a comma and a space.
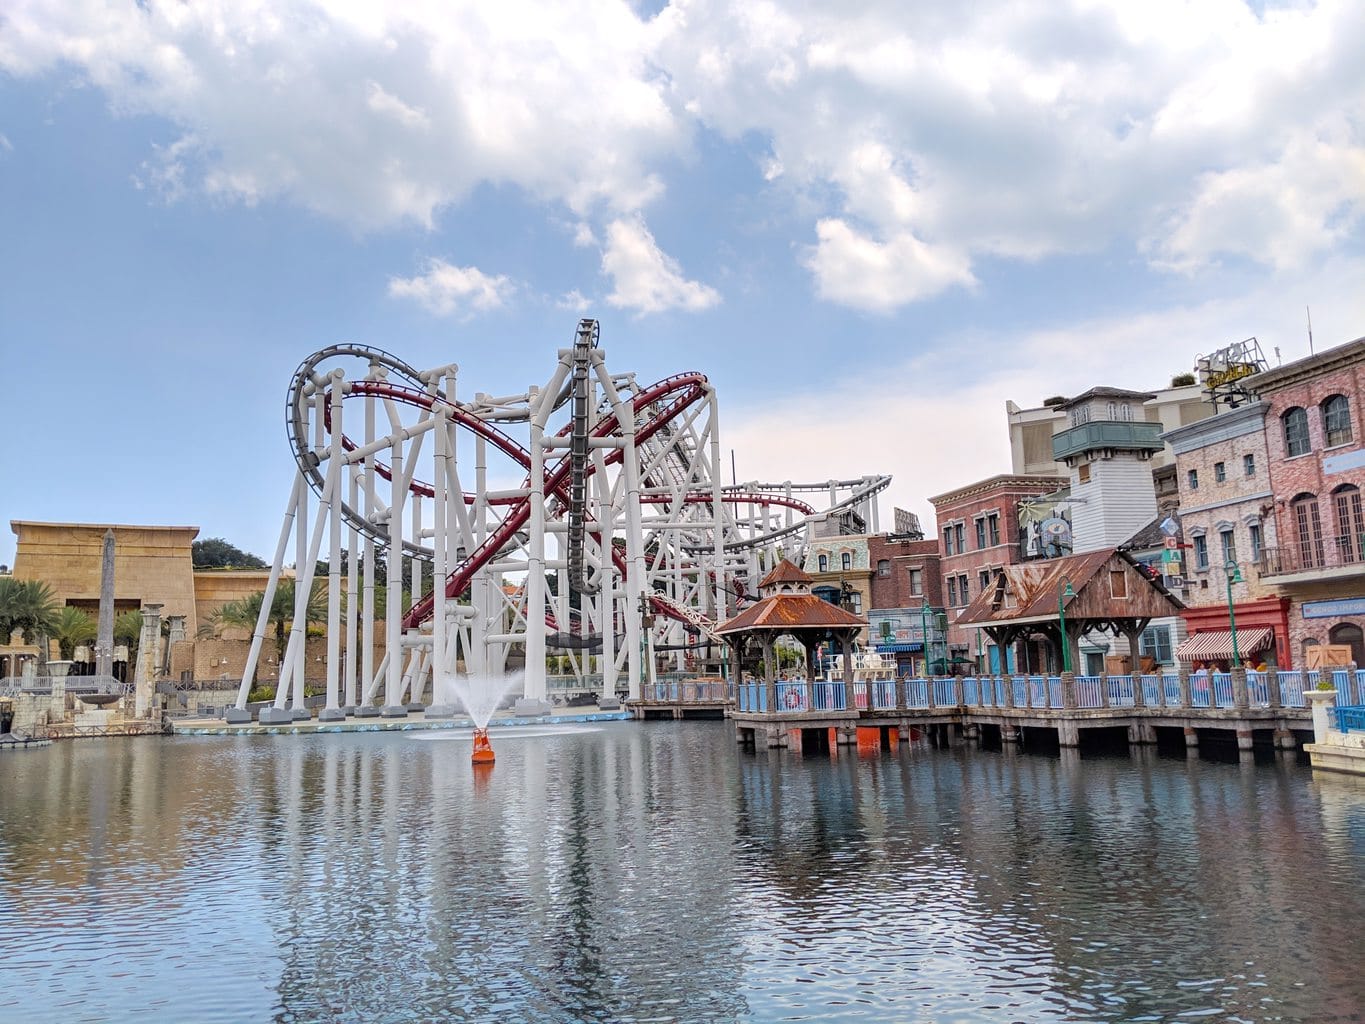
655, 872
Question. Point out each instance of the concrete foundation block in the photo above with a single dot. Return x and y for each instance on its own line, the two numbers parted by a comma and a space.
530, 707
367, 711
414, 707
331, 715
276, 716
442, 711
237, 716
301, 714
608, 704
393, 711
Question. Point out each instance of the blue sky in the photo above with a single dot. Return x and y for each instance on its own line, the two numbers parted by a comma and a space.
870, 224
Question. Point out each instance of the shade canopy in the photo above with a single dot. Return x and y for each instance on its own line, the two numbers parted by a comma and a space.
1216, 644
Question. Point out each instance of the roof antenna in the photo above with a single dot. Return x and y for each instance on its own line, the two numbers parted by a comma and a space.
1310, 330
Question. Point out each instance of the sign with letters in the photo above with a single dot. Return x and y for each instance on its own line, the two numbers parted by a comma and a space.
1333, 609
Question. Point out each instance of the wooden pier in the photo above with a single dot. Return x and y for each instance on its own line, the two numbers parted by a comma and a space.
1249, 706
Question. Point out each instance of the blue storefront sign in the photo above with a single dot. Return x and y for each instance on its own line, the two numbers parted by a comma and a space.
1333, 609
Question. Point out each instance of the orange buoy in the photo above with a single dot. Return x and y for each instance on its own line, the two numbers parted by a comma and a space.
483, 750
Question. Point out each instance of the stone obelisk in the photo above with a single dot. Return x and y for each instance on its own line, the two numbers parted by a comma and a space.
104, 640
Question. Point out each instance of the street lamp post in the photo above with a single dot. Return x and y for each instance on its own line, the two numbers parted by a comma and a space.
1234, 574
923, 641
1063, 592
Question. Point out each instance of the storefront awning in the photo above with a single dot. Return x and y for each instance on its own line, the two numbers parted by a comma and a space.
1217, 644
897, 648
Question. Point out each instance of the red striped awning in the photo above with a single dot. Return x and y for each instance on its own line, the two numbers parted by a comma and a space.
1217, 643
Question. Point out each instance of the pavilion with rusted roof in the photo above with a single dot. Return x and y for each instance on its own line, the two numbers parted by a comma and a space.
786, 607
1109, 593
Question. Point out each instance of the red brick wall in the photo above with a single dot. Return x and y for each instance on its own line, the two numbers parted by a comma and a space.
893, 589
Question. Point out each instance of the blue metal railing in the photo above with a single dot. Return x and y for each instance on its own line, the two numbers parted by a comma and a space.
1151, 689
1054, 691
917, 693
1121, 692
1089, 691
945, 693
1351, 717
1170, 686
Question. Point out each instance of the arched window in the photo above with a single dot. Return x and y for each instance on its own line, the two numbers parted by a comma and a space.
1295, 432
1308, 530
1348, 634
1350, 523
1336, 420
822, 563
847, 560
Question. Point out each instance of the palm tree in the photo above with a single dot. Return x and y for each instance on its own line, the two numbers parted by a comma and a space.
72, 628
30, 606
244, 613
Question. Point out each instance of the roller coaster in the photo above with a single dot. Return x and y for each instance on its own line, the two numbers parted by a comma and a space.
587, 517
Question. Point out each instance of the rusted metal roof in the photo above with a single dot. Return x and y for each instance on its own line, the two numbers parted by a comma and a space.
786, 571
784, 612
1031, 590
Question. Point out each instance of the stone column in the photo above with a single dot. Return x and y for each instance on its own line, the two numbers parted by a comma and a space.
1241, 698
1183, 674
1069, 690
148, 656
1068, 734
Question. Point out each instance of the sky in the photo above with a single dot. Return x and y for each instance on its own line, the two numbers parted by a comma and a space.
869, 223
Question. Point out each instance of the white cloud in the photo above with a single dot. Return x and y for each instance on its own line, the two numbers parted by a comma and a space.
898, 415
443, 289
376, 114
574, 301
911, 140
855, 270
645, 278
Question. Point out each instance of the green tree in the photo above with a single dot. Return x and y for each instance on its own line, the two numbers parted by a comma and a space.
30, 606
72, 628
244, 613
216, 553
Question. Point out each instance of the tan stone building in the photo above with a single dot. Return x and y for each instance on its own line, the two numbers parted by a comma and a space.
152, 565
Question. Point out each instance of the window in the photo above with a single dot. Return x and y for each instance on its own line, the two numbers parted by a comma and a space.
822, 563
1113, 410
1254, 532
1083, 473
1295, 423
1220, 472
1201, 552
962, 589
853, 601
883, 567
980, 533
983, 580
1308, 522
887, 629
1336, 421
1192, 477
917, 581
1248, 465
960, 537
947, 540
1350, 524
993, 525
1080, 415
1229, 544
846, 560
829, 595
1155, 643
952, 591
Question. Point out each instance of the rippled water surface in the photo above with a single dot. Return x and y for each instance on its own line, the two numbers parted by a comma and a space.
656, 872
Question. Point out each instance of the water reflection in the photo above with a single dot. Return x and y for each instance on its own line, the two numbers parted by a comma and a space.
631, 872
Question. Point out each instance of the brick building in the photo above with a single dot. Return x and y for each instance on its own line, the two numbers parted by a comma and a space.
1315, 442
905, 584
1227, 521
978, 528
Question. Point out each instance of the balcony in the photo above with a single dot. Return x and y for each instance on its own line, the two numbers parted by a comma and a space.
1332, 558
1118, 435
